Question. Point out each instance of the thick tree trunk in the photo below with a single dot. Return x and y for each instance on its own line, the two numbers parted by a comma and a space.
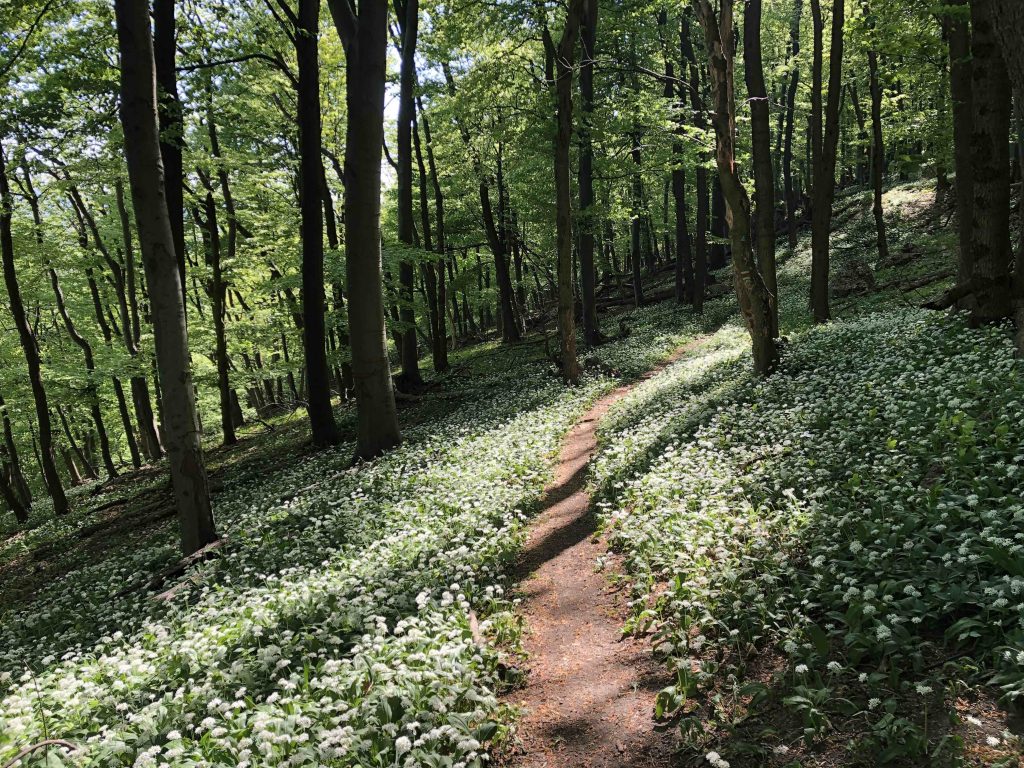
145, 171
753, 295
825, 142
564, 62
587, 221
787, 147
761, 144
29, 347
314, 333
18, 481
992, 297
172, 129
365, 40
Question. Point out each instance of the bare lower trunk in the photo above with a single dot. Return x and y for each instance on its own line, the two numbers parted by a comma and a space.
587, 222
145, 170
787, 147
877, 149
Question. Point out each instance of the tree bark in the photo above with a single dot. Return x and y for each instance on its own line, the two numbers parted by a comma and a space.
753, 295
564, 62
587, 220
364, 37
787, 147
761, 145
877, 145
441, 246
992, 297
323, 427
408, 18
825, 142
29, 347
700, 251
138, 111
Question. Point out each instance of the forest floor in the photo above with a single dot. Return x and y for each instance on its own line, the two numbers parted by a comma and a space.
588, 701
819, 569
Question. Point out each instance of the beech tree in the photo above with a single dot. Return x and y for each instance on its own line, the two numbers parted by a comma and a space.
138, 110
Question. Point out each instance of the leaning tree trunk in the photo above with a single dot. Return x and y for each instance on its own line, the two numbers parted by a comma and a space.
365, 41
826, 140
145, 172
761, 143
29, 347
314, 333
587, 221
991, 297
754, 297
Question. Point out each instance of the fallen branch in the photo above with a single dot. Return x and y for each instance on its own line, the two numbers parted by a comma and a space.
32, 748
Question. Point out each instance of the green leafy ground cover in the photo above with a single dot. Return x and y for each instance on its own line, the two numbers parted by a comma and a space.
831, 561
333, 628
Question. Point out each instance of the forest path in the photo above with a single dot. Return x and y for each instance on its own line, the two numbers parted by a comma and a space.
589, 698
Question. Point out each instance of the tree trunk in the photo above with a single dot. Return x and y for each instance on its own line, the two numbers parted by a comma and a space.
441, 246
138, 110
877, 145
18, 481
992, 297
408, 12
564, 62
172, 129
314, 333
635, 221
825, 142
365, 41
588, 277
700, 250
753, 295
29, 347
761, 145
787, 147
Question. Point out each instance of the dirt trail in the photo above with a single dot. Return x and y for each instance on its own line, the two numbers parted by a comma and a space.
589, 698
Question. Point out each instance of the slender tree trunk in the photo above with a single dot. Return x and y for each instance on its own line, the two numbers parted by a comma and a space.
18, 481
218, 286
408, 12
957, 30
877, 145
29, 347
314, 333
441, 246
126, 423
792, 201
635, 221
761, 142
75, 450
825, 142
753, 295
145, 171
700, 251
365, 40
587, 221
90, 372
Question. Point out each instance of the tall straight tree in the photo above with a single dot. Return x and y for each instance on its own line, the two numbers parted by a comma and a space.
991, 295
363, 32
29, 346
587, 220
314, 300
957, 30
761, 143
172, 126
408, 24
139, 118
700, 237
564, 59
825, 140
877, 145
752, 292
787, 148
